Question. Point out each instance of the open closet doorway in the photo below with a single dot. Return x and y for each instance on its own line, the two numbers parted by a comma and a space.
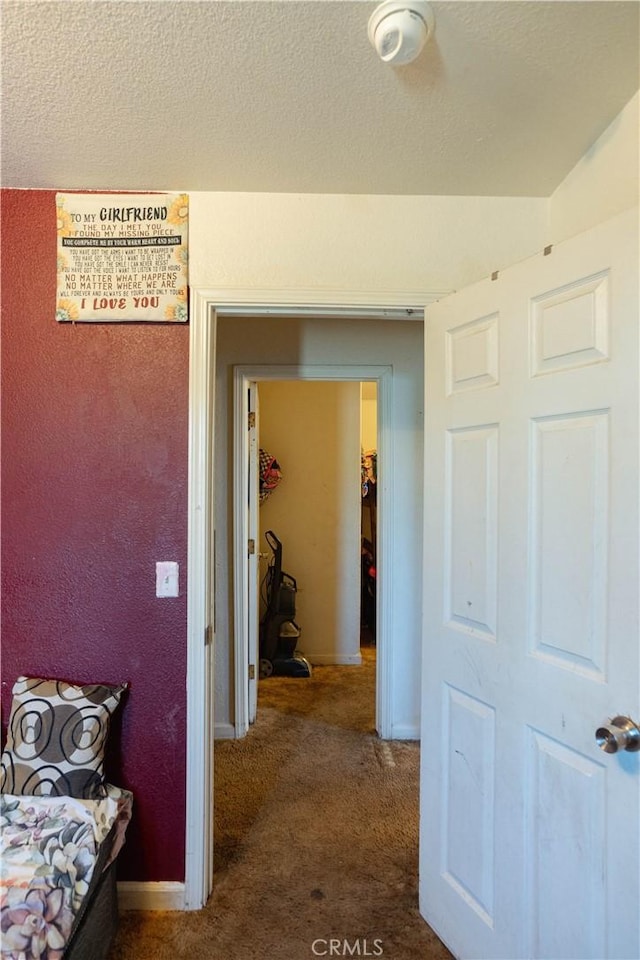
311, 424
312, 503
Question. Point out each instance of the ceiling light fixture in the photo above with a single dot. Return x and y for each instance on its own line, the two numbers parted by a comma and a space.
399, 29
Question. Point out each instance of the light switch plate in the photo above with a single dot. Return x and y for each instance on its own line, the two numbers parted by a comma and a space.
167, 578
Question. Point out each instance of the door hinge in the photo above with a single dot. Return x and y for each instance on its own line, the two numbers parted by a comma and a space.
252, 671
252, 547
252, 419
208, 636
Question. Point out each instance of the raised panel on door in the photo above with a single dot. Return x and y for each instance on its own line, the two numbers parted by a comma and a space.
569, 495
472, 354
565, 855
470, 529
467, 840
570, 325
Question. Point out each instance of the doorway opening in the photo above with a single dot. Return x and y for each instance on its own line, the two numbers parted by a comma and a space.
284, 335
323, 519
311, 516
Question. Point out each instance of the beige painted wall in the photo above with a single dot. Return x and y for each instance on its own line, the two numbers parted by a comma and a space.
604, 182
368, 416
357, 243
313, 431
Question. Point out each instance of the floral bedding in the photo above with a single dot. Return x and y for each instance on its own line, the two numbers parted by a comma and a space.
48, 852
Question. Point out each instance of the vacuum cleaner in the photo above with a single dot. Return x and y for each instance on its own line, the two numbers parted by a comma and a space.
279, 632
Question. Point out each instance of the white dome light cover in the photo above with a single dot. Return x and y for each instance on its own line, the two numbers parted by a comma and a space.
399, 29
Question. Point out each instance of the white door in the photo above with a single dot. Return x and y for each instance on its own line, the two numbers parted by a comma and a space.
254, 553
529, 831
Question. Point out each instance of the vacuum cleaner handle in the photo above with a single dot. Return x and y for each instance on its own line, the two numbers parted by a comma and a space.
272, 540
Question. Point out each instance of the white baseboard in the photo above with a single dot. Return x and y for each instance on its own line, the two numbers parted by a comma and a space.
140, 895
399, 731
405, 731
333, 659
224, 731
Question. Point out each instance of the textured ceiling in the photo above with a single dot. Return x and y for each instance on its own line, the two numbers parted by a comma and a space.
289, 96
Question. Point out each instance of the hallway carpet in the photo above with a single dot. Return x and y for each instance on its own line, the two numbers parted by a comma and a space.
316, 837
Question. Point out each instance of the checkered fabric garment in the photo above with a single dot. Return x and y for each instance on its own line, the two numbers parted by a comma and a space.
270, 474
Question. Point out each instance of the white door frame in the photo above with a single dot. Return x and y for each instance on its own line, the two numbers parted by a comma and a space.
205, 305
383, 376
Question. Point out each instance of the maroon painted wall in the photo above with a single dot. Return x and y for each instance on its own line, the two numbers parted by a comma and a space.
94, 491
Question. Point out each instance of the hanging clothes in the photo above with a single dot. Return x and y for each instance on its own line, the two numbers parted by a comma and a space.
270, 474
369, 472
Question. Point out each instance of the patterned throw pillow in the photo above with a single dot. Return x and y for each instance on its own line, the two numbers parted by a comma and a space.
56, 738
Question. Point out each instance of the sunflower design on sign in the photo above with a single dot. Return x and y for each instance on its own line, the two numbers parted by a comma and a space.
64, 222
181, 254
178, 310
67, 310
179, 210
